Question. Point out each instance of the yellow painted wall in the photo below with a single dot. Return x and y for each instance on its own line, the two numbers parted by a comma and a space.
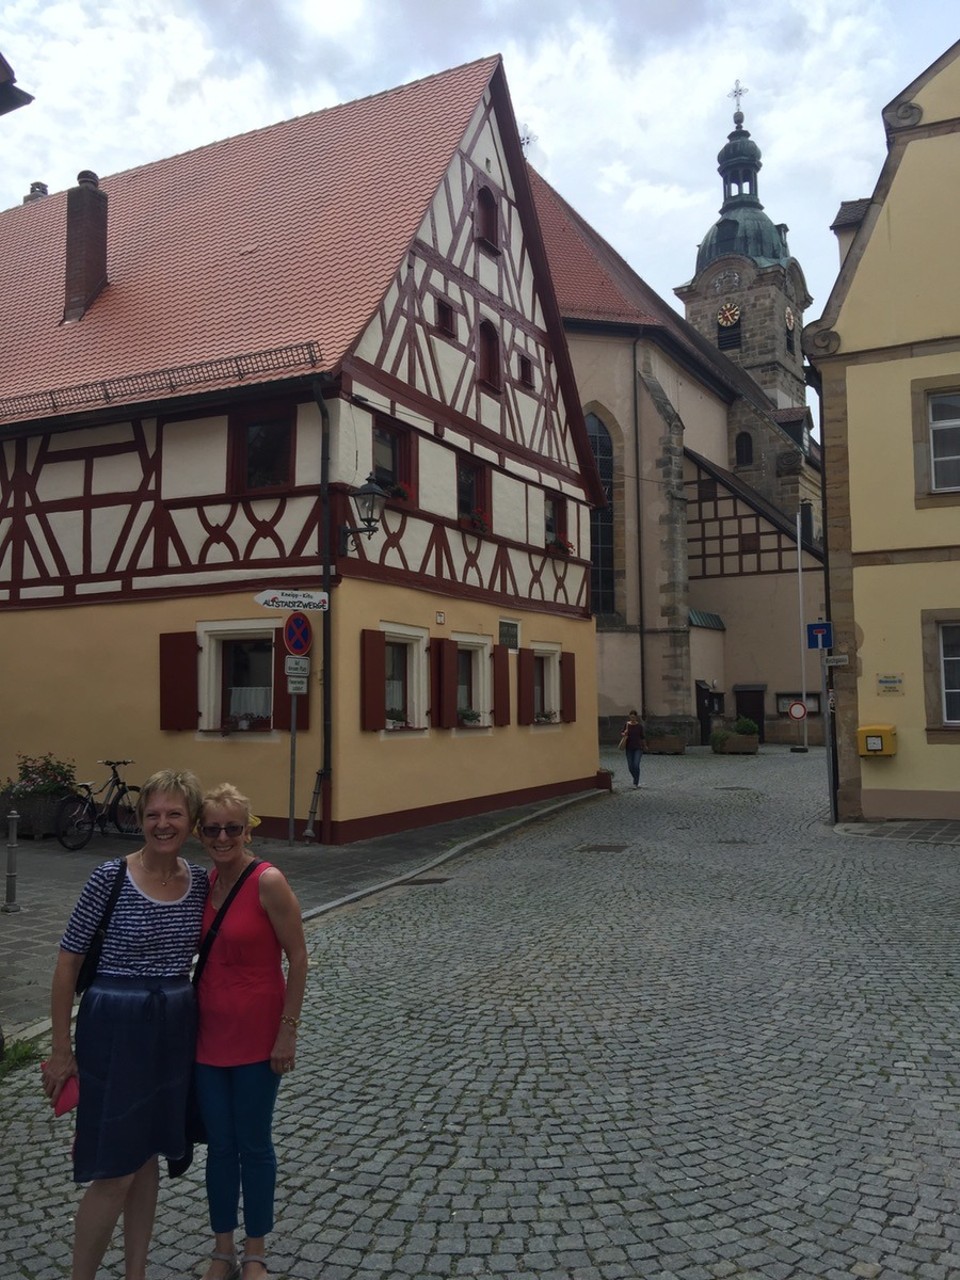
887, 605
882, 491
83, 684
113, 710
398, 770
906, 285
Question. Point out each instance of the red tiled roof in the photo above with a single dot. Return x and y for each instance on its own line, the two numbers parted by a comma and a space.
289, 234
588, 286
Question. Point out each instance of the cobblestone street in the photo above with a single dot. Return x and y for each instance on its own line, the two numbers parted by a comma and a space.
685, 1031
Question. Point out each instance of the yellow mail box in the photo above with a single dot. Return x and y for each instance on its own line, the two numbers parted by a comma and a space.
877, 740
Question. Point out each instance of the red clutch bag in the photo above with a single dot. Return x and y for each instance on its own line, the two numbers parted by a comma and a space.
69, 1095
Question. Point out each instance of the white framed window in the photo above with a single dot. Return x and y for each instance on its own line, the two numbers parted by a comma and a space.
237, 660
546, 683
474, 681
950, 671
945, 441
407, 686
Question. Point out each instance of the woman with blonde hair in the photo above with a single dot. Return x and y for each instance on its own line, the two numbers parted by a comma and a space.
136, 1025
247, 1038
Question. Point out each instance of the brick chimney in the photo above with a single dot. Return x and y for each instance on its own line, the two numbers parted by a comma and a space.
86, 245
37, 191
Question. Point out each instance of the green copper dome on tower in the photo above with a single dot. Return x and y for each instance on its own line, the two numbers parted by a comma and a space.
743, 228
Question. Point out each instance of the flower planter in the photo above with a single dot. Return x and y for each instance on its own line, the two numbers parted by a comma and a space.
739, 744
670, 744
38, 814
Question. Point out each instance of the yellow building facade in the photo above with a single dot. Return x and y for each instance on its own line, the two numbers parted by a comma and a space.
887, 349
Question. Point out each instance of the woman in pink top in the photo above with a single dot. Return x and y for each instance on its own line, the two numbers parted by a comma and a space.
247, 1033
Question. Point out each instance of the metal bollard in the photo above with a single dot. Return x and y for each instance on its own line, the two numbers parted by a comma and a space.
10, 903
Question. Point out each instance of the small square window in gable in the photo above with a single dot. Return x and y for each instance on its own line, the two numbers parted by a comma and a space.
445, 320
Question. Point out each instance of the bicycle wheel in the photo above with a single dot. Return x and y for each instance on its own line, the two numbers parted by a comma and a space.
76, 816
123, 812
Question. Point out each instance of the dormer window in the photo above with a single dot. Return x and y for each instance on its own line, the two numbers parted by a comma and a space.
487, 224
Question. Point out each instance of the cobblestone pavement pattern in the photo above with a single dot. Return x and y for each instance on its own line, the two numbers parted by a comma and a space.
686, 1031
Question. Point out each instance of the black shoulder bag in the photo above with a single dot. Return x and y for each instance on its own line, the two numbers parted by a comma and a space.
196, 1130
88, 970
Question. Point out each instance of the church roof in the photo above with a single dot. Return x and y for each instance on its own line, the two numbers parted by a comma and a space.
283, 239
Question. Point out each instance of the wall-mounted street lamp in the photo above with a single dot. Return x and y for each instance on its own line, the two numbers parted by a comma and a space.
369, 501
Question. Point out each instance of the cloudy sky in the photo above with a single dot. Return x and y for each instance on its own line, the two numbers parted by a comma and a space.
627, 99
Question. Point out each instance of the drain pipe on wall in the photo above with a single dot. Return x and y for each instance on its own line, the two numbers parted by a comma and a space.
323, 786
639, 485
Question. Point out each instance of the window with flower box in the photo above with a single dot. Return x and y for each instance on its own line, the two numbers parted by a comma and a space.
227, 677
473, 494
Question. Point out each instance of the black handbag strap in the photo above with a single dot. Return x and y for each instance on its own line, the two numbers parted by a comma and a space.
118, 880
218, 921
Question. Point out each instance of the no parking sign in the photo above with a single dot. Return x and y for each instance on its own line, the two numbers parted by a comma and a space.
297, 634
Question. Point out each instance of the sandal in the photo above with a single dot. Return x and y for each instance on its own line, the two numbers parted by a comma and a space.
253, 1257
233, 1270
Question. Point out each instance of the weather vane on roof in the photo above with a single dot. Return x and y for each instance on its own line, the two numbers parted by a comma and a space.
737, 92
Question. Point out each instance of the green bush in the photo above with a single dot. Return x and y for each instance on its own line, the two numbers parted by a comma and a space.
42, 776
745, 725
718, 738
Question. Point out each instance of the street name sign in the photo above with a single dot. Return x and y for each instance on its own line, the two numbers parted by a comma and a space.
838, 660
296, 666
293, 598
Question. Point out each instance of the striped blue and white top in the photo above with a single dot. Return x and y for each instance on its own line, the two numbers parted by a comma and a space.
145, 938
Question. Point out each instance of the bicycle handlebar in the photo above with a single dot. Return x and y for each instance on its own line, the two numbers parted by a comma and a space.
111, 763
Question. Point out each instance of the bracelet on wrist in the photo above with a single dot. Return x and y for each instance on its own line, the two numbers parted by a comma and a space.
291, 1022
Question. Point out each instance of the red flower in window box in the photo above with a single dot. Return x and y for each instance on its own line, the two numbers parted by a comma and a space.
478, 521
559, 547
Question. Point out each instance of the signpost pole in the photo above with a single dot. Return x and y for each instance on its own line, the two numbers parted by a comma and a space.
827, 718
803, 639
293, 767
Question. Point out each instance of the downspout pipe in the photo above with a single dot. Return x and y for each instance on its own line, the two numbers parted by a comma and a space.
323, 786
641, 612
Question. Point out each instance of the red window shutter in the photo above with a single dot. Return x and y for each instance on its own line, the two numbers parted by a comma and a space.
568, 687
282, 700
501, 684
443, 683
179, 681
373, 680
525, 686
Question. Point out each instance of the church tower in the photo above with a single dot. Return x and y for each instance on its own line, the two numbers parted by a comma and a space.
748, 294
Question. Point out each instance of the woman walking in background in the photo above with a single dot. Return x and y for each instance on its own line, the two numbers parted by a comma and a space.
633, 740
247, 1035
136, 1025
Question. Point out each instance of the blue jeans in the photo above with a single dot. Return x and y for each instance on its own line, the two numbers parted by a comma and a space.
237, 1108
633, 764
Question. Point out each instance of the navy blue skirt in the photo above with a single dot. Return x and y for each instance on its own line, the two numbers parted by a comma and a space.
135, 1048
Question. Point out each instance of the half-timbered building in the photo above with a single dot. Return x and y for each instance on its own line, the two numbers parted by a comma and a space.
202, 358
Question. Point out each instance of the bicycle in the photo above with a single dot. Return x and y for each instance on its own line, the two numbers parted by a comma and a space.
77, 815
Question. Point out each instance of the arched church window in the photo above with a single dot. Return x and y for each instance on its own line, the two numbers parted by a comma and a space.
601, 521
744, 446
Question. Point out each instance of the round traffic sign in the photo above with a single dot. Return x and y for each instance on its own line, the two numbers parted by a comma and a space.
797, 711
297, 634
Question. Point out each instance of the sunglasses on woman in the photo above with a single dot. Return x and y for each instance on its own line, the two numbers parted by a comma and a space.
212, 829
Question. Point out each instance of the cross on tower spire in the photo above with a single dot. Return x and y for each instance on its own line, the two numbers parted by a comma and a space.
737, 93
